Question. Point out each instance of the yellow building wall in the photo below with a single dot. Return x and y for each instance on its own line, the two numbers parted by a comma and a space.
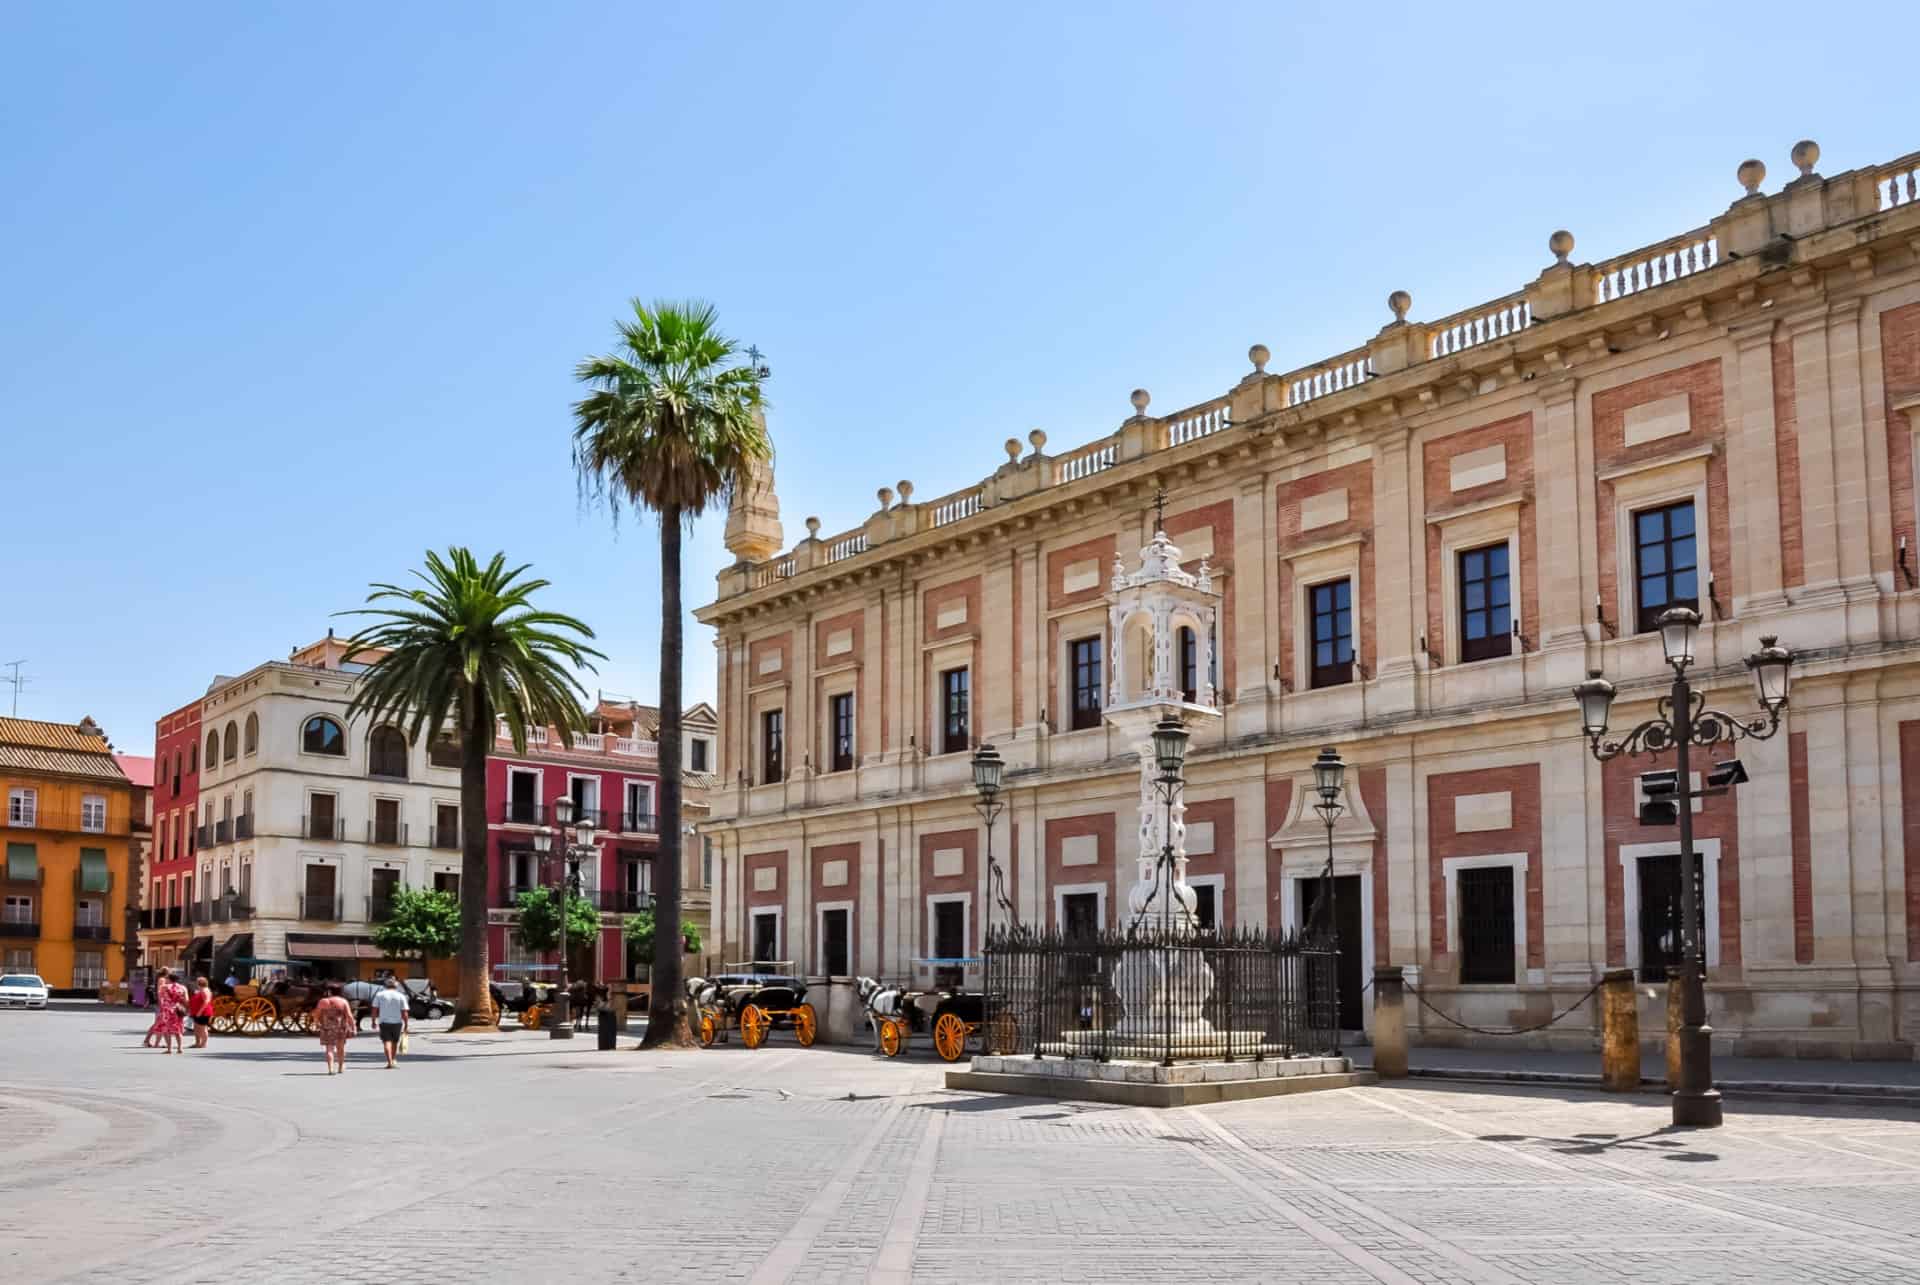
57, 840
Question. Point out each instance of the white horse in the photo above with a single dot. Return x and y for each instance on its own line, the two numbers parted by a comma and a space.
881, 1001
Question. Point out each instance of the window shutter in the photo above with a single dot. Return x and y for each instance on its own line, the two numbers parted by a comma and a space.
93, 870
23, 861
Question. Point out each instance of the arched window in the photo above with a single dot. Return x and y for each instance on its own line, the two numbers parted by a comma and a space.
231, 751
213, 748
321, 735
387, 753
253, 734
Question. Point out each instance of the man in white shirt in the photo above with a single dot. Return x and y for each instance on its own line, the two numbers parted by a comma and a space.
393, 1010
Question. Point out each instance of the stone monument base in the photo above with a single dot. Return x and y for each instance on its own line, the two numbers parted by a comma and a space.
1149, 1084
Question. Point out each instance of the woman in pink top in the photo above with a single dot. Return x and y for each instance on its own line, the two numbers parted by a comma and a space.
173, 1012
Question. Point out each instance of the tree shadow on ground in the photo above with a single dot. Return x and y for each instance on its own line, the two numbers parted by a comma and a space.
1666, 1142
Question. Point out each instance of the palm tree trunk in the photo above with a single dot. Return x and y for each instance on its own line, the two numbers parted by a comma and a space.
667, 1007
474, 1006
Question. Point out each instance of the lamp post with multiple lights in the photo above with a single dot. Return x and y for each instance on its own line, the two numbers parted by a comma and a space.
1684, 722
578, 846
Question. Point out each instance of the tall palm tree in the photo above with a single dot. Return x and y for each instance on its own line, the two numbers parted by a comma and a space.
463, 651
672, 426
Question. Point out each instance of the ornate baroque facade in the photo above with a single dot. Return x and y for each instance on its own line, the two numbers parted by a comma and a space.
1420, 546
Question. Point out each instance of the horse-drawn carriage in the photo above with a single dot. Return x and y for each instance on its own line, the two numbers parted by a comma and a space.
950, 1014
753, 997
271, 1000
529, 1000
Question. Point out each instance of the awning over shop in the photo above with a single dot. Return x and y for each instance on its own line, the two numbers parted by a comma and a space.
238, 944
197, 948
319, 946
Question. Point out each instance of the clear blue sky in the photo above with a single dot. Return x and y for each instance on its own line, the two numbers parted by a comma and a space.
293, 292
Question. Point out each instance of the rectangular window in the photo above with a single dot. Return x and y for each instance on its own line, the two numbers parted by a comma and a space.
380, 903
638, 818
19, 959
1485, 897
949, 929
523, 797
447, 881
766, 936
93, 870
1486, 615
1332, 656
89, 970
1206, 912
1189, 666
322, 821
841, 716
773, 747
524, 873
835, 942
23, 862
17, 910
1084, 658
1665, 562
93, 813
1660, 917
706, 863
955, 729
89, 913
446, 825
636, 878
586, 800
1080, 913
698, 755
319, 900
23, 807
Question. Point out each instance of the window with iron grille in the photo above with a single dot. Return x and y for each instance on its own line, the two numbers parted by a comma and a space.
1660, 917
766, 936
1485, 899
89, 970
1332, 633
842, 719
835, 942
1486, 611
954, 729
772, 746
1665, 560
1084, 655
949, 929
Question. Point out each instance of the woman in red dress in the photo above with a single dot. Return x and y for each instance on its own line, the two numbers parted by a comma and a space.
333, 1023
171, 1018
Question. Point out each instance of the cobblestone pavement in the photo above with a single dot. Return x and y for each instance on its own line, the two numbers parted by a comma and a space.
515, 1157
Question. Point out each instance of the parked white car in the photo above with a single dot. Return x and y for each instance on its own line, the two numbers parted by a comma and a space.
22, 990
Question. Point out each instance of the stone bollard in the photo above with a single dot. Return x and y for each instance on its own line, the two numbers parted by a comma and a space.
1676, 1018
1389, 1023
1619, 1032
618, 998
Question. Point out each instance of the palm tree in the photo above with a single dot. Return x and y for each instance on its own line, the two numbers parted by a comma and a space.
463, 651
672, 426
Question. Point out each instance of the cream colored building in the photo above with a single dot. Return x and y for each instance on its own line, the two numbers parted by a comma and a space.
1422, 543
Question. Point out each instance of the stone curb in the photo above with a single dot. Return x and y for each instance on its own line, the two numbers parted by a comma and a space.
1862, 1094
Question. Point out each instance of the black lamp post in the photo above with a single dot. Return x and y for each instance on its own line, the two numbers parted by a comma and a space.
580, 847
987, 769
1685, 722
1329, 778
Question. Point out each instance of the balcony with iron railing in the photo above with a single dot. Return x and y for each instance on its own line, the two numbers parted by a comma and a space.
379, 909
15, 922
243, 826
446, 838
323, 827
223, 831
92, 932
387, 833
518, 812
203, 836
321, 906
639, 823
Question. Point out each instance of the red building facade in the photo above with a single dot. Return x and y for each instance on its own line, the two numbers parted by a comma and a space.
166, 928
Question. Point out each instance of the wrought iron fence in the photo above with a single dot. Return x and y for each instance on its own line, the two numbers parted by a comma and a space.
1161, 997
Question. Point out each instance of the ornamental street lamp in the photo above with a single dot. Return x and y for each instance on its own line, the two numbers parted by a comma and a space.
579, 846
988, 767
1684, 722
1329, 779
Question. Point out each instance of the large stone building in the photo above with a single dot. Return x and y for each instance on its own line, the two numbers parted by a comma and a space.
1420, 544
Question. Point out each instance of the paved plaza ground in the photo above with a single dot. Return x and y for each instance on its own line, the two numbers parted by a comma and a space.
515, 1157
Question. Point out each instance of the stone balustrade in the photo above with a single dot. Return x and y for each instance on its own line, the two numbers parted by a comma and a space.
1753, 224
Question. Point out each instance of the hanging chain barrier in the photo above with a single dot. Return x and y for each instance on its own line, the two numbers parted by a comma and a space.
1503, 1030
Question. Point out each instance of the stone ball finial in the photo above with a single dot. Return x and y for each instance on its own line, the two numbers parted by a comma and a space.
1561, 243
1806, 155
1141, 397
906, 490
1397, 303
886, 496
1038, 440
1259, 356
813, 528
1013, 449
1751, 174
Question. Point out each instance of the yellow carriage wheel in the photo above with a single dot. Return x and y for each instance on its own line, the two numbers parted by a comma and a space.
754, 1024
256, 1016
709, 1030
806, 1024
535, 1015
305, 1021
893, 1037
949, 1037
224, 1010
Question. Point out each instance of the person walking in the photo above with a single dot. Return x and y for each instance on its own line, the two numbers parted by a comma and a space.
393, 1008
333, 1023
171, 1019
153, 1002
200, 1009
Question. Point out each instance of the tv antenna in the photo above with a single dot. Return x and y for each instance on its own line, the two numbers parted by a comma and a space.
15, 680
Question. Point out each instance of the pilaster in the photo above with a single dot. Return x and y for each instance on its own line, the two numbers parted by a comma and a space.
1765, 817
1394, 526
1754, 502
1252, 588
1813, 405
